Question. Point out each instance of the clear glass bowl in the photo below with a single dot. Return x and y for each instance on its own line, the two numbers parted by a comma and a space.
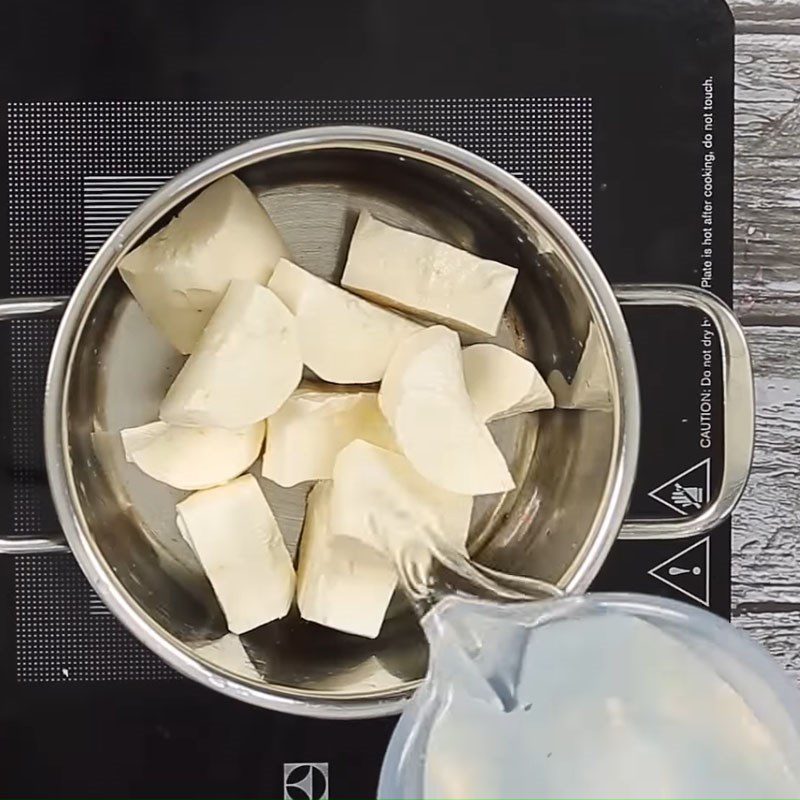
595, 695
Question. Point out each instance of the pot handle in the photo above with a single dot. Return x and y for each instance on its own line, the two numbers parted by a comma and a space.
21, 308
738, 403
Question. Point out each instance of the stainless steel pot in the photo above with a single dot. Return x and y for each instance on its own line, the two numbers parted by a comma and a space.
575, 469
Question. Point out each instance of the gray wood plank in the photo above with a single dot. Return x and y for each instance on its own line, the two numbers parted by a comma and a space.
767, 240
767, 195
778, 633
765, 567
766, 15
766, 524
767, 94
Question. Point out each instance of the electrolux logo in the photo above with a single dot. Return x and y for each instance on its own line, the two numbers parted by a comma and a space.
305, 781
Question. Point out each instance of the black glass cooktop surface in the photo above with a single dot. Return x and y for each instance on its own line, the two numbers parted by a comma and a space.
619, 112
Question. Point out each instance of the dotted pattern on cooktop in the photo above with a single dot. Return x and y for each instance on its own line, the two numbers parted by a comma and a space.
77, 168
62, 635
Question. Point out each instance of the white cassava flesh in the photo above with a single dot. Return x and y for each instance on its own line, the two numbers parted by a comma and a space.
590, 386
180, 274
424, 397
234, 535
501, 383
427, 277
378, 498
192, 458
343, 338
244, 367
313, 425
341, 583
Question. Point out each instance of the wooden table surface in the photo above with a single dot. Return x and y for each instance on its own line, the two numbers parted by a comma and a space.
766, 525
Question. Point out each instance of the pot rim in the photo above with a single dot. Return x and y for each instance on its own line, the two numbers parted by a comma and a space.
524, 201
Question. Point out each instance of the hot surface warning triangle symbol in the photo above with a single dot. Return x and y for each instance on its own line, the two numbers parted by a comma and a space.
687, 571
688, 492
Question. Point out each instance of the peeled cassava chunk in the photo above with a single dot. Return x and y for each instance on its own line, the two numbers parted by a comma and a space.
341, 583
424, 397
245, 365
344, 339
192, 458
234, 535
379, 499
180, 274
590, 386
501, 383
313, 425
427, 277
